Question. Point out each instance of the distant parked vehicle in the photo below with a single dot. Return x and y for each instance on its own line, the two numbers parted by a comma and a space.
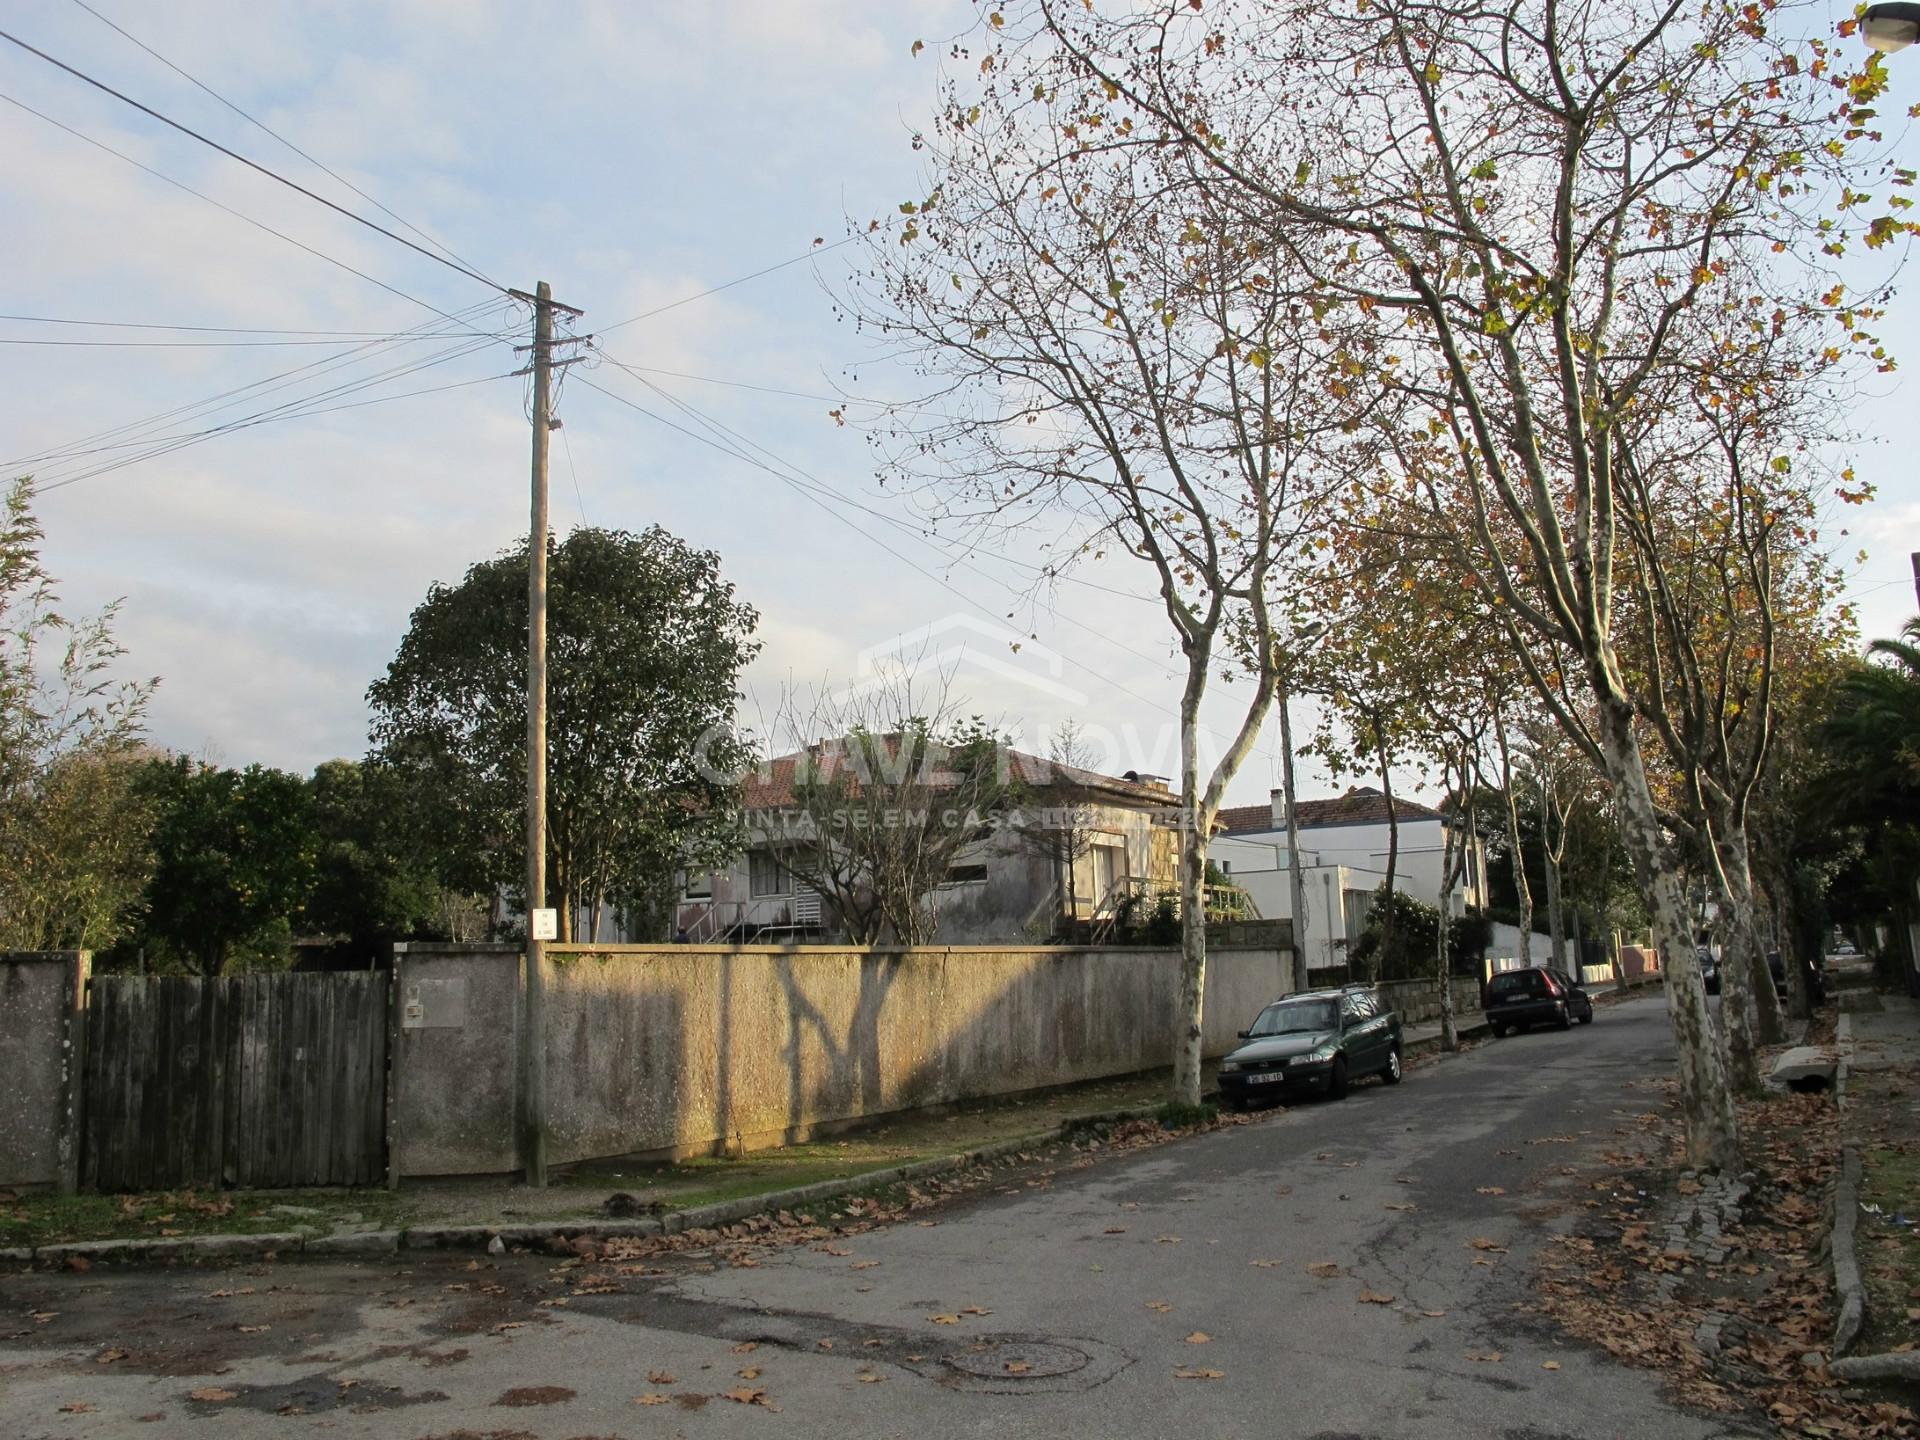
1537, 995
1315, 1043
1709, 970
1816, 979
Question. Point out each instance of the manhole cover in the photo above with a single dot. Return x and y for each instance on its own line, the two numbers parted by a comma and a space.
1019, 1360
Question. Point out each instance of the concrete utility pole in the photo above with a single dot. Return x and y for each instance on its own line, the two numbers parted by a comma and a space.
533, 1059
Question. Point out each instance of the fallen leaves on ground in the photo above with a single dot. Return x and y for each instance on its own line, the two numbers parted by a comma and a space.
1492, 1190
750, 1372
1481, 1242
944, 1319
1160, 1305
1265, 1264
748, 1395
1190, 1372
1549, 1364
867, 1377
213, 1395
659, 1377
1486, 1357
536, 1395
1374, 1297
652, 1397
1324, 1270
1398, 1205
1199, 1337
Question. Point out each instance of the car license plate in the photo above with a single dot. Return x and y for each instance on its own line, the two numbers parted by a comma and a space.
1515, 999
1266, 1079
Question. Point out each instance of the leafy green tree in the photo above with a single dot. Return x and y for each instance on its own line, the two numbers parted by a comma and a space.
373, 883
73, 852
645, 642
1873, 778
234, 862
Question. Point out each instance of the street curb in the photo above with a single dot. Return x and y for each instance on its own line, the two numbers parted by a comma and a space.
1847, 1286
1842, 1070
479, 1237
702, 1217
1894, 1365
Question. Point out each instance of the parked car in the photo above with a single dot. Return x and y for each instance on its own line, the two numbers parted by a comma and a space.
1816, 978
1709, 970
1315, 1043
1537, 995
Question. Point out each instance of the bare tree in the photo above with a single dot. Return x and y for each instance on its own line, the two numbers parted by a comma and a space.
1062, 830
890, 785
1128, 367
1531, 197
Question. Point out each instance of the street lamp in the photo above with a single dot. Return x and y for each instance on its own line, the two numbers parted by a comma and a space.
1892, 26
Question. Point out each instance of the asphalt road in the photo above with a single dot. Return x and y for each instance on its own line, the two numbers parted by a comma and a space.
1075, 1302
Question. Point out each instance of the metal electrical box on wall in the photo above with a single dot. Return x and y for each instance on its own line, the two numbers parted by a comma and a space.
434, 1005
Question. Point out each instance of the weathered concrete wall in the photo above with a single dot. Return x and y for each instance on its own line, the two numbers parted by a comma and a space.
686, 1049
453, 1085
1417, 1002
42, 1035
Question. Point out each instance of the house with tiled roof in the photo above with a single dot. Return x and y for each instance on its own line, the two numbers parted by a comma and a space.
1344, 842
1007, 886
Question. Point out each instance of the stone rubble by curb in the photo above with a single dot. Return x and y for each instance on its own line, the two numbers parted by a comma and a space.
478, 1237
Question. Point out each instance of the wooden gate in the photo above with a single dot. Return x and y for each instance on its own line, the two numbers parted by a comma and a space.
249, 1080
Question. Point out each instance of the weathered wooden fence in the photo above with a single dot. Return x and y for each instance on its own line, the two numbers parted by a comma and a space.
250, 1080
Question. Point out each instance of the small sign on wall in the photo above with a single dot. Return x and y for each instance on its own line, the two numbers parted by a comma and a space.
434, 1005
545, 924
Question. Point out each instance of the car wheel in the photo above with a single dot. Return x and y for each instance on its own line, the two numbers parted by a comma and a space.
1586, 1015
1337, 1083
1563, 1019
1499, 1031
1235, 1103
1392, 1074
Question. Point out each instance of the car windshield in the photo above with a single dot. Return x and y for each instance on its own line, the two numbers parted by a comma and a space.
1523, 981
1294, 1018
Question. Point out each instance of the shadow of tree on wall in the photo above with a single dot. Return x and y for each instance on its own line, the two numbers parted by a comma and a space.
854, 1062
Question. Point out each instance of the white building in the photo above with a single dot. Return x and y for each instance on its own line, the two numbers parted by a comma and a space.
1343, 861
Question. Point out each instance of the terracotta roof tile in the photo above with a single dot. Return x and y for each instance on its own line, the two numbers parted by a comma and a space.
1361, 805
770, 786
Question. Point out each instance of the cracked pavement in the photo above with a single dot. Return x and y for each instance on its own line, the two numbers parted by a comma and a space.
1070, 1301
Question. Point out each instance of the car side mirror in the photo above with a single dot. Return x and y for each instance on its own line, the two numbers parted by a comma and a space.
1246, 1034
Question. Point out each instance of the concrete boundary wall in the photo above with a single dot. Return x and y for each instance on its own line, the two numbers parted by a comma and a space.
42, 1044
1417, 1002
675, 1050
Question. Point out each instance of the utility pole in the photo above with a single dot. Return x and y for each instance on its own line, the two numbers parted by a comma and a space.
540, 928
1296, 879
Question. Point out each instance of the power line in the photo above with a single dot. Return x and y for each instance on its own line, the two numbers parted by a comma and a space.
196, 329
809, 493
1043, 572
290, 410
237, 214
187, 130
177, 344
255, 120
427, 330
815, 249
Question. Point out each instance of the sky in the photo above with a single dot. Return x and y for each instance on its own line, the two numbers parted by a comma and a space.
634, 155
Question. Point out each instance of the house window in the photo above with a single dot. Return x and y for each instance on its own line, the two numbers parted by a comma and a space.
965, 874
1226, 867
699, 885
767, 876
1109, 868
